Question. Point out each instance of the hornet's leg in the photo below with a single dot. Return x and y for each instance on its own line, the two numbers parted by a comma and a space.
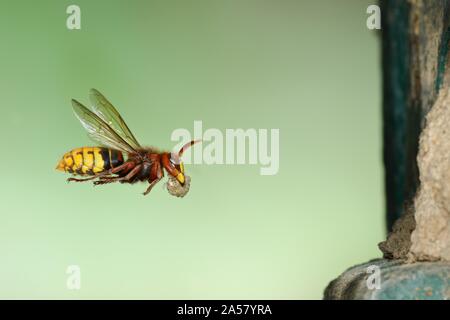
88, 179
128, 177
150, 187
157, 173
102, 174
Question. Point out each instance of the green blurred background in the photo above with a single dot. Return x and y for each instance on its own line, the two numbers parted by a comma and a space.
309, 68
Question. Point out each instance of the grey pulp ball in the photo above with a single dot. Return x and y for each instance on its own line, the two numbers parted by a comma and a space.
176, 189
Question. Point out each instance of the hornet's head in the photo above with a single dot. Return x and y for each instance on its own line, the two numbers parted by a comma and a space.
173, 164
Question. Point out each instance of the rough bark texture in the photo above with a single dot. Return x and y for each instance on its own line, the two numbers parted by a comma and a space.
430, 239
401, 119
398, 242
428, 94
416, 77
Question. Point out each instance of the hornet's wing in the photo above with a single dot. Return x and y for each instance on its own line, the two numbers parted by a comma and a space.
106, 111
99, 130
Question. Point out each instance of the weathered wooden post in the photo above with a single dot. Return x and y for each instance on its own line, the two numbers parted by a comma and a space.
416, 110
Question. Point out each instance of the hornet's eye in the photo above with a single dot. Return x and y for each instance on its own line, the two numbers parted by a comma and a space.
177, 164
174, 160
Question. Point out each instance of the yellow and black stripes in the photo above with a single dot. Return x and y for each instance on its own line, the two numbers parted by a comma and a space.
90, 160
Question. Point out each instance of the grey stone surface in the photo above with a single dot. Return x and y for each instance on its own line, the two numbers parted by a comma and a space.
398, 281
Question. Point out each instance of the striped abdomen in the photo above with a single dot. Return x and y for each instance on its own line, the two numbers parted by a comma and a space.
90, 160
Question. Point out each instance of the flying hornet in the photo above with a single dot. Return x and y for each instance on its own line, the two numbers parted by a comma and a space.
120, 158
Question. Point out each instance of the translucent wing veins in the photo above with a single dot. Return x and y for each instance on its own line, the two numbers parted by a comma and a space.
99, 130
108, 113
